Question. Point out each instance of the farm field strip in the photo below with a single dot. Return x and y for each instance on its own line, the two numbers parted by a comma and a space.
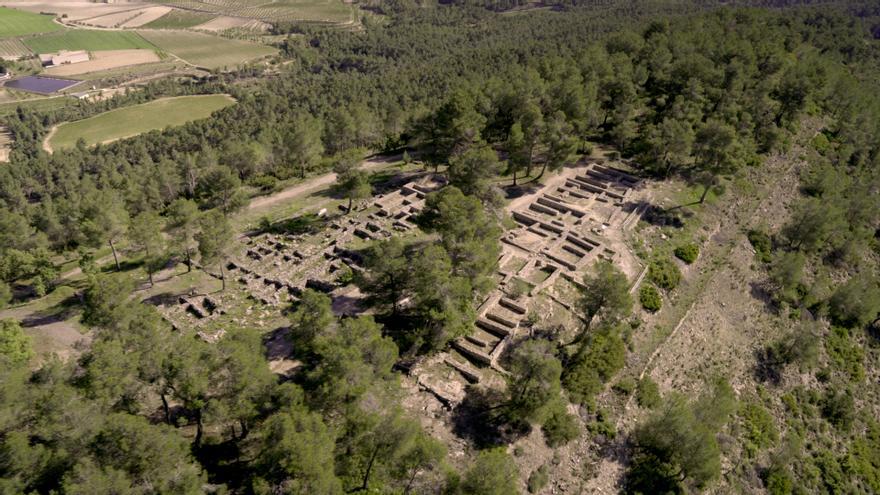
77, 39
13, 48
204, 50
36, 104
19, 23
334, 11
180, 19
223, 23
131, 121
147, 16
106, 60
132, 71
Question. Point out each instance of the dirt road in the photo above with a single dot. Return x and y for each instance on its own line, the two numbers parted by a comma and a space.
315, 183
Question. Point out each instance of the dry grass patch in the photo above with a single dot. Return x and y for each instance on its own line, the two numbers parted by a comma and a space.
106, 60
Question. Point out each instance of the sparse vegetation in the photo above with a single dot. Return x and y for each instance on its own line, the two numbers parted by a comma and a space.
763, 245
538, 479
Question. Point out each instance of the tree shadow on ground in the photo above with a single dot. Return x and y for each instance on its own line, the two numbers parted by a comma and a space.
481, 420
662, 217
222, 461
768, 366
759, 292
65, 309
163, 299
278, 344
519, 190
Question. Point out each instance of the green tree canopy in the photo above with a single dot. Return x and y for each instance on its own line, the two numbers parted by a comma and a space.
15, 344
215, 239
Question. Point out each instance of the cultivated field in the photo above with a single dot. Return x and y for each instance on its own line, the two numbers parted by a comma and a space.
13, 48
125, 18
74, 9
147, 16
331, 11
131, 121
223, 23
19, 23
80, 39
180, 19
106, 60
204, 50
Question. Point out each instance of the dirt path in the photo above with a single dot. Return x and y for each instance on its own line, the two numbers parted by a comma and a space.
46, 146
315, 183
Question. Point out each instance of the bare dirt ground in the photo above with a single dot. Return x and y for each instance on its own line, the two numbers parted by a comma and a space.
106, 60
46, 146
147, 16
50, 334
313, 184
114, 20
5, 142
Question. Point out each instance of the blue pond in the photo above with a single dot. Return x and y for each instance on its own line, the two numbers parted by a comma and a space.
40, 84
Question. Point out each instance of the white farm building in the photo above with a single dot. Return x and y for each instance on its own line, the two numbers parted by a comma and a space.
64, 57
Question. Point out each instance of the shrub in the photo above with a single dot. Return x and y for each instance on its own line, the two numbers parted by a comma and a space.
664, 273
5, 294
560, 427
595, 363
648, 393
603, 425
865, 456
759, 429
778, 481
846, 355
786, 273
625, 386
763, 245
687, 253
15, 344
532, 318
539, 479
265, 224
821, 143
650, 298
345, 275
855, 303
265, 183
839, 408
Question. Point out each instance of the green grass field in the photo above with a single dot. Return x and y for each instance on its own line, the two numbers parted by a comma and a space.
83, 39
180, 19
18, 23
204, 50
131, 121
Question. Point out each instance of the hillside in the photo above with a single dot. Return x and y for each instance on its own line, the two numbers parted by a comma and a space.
468, 249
